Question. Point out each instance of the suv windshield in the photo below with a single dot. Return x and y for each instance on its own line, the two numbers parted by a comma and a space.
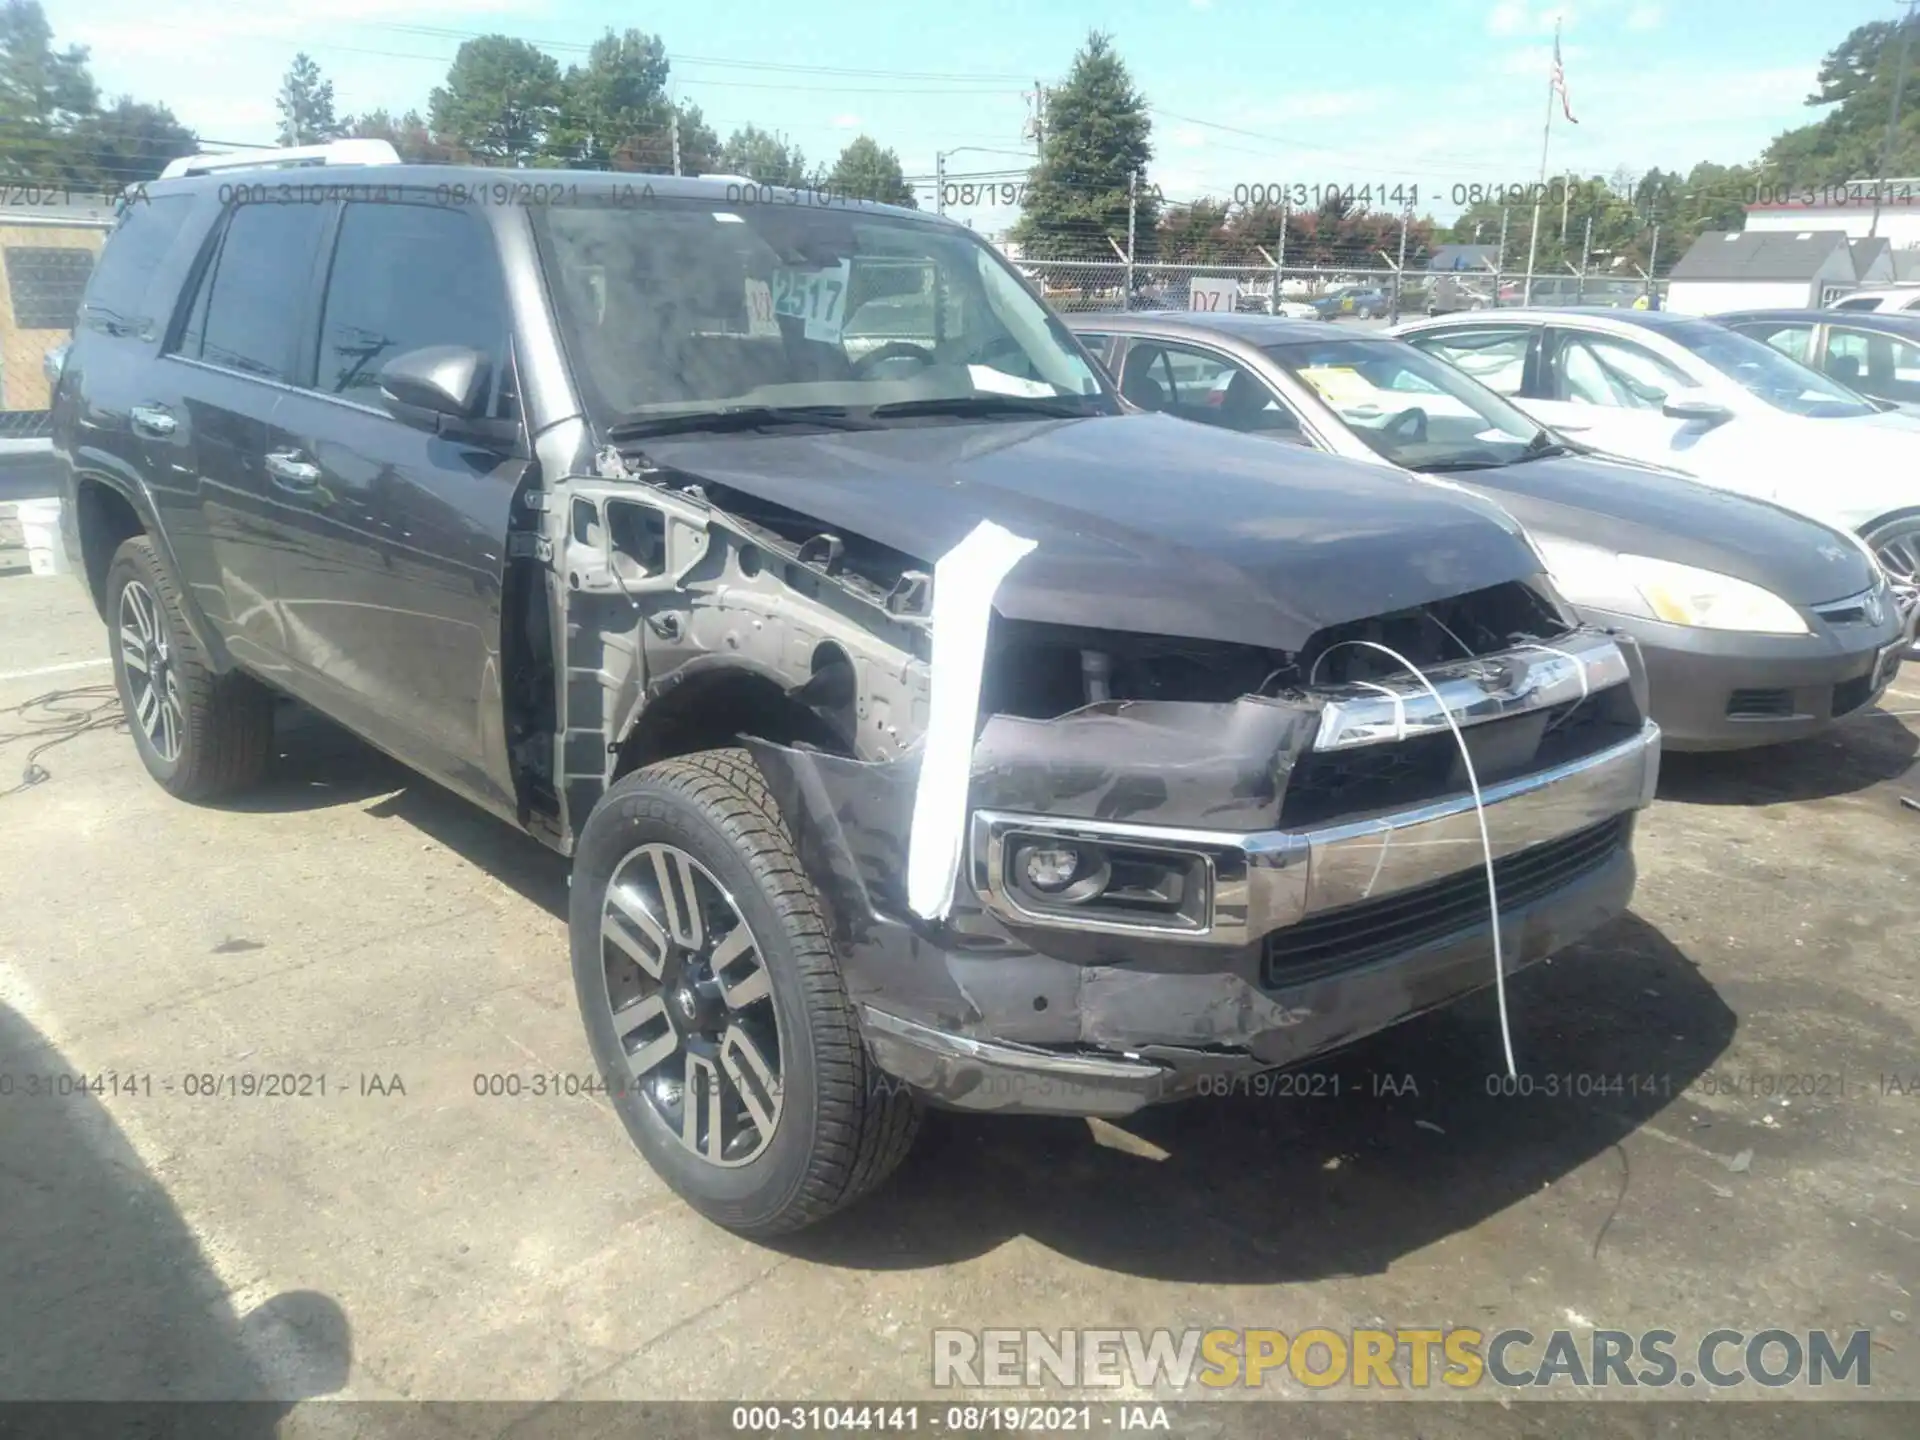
1418, 412
679, 307
1762, 370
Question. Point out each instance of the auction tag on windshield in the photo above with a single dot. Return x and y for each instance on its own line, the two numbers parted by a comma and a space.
817, 297
1339, 385
760, 319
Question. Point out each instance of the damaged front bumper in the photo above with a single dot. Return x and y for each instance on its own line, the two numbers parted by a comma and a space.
1277, 943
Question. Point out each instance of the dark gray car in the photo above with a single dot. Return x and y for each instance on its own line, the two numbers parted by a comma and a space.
1758, 625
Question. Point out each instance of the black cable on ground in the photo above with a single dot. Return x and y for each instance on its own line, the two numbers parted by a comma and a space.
55, 718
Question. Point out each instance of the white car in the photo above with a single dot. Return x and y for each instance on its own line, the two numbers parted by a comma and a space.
1893, 297
1689, 394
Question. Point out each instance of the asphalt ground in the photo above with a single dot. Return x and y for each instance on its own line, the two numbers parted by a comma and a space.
409, 1236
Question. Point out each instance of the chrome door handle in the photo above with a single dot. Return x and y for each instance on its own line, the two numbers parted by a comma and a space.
289, 471
153, 419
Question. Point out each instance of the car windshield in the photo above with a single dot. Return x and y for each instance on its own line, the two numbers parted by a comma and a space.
1762, 370
1416, 411
678, 307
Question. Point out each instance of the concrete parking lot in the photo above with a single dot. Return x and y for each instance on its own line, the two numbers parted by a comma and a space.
404, 1236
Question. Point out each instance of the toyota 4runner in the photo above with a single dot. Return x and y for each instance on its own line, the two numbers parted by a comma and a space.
924, 723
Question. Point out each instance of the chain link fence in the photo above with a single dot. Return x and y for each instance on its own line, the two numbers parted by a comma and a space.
44, 267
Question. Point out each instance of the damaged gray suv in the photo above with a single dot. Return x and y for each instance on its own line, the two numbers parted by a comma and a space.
925, 724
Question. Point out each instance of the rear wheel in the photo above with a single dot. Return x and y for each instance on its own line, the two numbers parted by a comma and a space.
201, 734
714, 1005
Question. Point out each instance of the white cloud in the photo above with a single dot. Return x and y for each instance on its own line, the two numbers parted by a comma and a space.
1644, 17
1187, 137
1518, 17
845, 122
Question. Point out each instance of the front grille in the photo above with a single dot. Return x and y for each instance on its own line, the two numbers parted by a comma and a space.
1850, 695
1850, 611
1759, 704
1348, 784
1357, 935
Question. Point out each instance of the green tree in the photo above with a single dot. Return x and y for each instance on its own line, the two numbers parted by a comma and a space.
866, 172
762, 156
1199, 234
305, 104
44, 94
651, 151
1855, 90
501, 101
129, 143
618, 97
1096, 144
409, 134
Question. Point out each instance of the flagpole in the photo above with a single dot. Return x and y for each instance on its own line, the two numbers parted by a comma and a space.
1546, 138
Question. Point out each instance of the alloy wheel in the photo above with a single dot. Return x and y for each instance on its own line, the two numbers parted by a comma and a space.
692, 1005
1898, 547
153, 686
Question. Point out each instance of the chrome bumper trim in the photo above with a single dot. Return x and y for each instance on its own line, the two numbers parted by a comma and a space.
1511, 682
1263, 881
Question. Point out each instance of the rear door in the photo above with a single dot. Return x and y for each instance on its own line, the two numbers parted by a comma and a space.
392, 602
231, 365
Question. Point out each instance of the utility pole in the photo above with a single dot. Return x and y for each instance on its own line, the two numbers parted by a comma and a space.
1393, 307
1653, 268
1133, 190
1500, 261
1546, 138
1566, 199
939, 182
673, 128
1893, 115
1586, 250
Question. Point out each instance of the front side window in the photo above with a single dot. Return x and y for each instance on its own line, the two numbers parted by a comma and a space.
1765, 373
1496, 356
1215, 390
1410, 408
687, 307
1868, 304
247, 316
1601, 370
405, 277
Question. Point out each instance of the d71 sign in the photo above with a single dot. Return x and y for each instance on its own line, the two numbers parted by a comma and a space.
1208, 293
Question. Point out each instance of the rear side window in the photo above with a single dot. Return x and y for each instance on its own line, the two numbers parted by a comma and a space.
1496, 356
247, 315
405, 277
118, 299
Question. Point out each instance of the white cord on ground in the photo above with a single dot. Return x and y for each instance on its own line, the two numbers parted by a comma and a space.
1479, 811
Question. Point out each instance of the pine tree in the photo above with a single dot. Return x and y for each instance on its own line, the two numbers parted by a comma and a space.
1096, 143
306, 104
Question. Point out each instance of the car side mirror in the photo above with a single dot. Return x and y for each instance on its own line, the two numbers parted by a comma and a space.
1686, 406
449, 380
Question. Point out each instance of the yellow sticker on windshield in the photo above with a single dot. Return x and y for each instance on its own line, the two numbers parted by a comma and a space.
1339, 384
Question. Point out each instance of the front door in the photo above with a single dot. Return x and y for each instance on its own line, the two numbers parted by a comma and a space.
392, 602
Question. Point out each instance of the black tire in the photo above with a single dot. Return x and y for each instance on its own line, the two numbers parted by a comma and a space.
223, 733
843, 1125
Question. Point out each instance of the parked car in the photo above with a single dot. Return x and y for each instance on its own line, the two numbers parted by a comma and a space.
1451, 294
1687, 393
1874, 354
1758, 624
1363, 302
1897, 298
923, 727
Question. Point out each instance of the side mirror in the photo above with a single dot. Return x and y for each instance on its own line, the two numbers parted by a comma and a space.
448, 380
1685, 406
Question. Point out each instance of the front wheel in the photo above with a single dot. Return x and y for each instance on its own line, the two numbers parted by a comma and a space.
714, 1005
1895, 540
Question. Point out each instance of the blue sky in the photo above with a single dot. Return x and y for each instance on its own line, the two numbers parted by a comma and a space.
1433, 92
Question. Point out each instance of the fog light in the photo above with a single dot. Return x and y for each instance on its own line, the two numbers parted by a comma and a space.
1050, 868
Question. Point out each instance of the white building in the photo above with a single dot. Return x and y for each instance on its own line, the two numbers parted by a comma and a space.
1761, 270
1849, 209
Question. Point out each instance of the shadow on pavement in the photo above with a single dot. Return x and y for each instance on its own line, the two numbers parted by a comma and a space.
1856, 755
1258, 1190
105, 1294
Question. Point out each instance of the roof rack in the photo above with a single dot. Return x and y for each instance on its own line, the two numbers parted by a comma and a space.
334, 152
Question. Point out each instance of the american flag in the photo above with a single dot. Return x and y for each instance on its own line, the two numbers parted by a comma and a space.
1560, 78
